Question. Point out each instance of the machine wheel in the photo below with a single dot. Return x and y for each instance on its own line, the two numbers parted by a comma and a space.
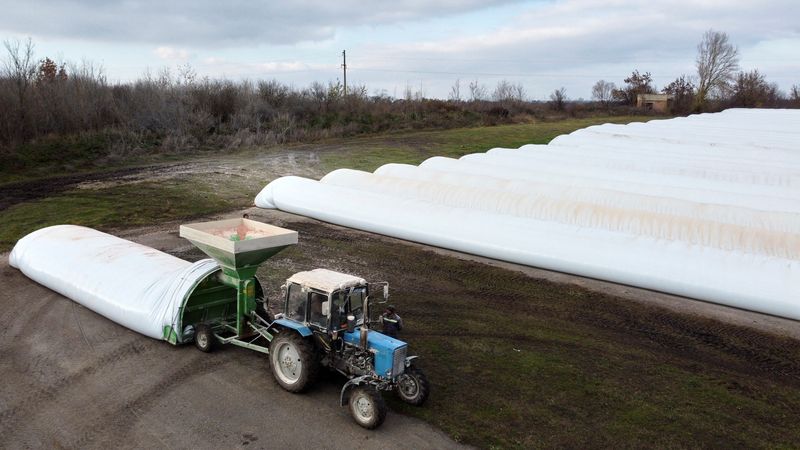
292, 360
203, 338
413, 387
367, 407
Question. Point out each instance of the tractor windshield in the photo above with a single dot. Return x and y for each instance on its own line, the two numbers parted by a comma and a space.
346, 302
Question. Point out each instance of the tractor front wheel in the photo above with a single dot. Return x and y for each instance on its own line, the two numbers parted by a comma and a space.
292, 361
367, 407
413, 387
203, 338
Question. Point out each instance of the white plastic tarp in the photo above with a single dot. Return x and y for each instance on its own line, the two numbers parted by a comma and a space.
662, 205
136, 286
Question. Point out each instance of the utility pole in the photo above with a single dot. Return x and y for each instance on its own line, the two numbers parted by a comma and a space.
344, 71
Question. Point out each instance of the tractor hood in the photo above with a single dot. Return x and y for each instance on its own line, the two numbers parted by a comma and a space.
384, 348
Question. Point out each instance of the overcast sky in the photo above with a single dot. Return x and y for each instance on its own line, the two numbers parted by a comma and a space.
424, 45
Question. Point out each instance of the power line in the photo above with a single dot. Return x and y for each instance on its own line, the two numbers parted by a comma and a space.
498, 74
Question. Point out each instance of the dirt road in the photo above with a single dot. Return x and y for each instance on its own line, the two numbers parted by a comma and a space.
70, 378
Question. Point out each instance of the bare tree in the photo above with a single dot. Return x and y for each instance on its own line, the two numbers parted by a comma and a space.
682, 90
794, 94
519, 92
186, 74
477, 91
751, 90
558, 98
717, 63
20, 68
502, 91
408, 92
508, 92
455, 91
602, 90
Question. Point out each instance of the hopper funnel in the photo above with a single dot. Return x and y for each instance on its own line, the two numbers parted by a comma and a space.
238, 245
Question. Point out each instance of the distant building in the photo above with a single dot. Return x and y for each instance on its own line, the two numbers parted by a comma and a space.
654, 102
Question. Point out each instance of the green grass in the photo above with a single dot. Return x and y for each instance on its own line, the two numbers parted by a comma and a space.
127, 205
85, 153
413, 148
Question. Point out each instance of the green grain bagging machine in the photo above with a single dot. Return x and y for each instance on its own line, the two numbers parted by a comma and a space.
239, 246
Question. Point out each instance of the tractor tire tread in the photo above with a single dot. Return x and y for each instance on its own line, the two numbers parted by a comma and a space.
376, 398
423, 385
308, 359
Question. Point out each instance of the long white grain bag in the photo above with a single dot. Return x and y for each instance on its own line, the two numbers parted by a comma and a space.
652, 162
750, 281
688, 179
769, 234
136, 286
698, 191
676, 133
389, 177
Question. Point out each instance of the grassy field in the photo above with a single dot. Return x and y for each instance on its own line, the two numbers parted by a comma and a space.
127, 205
413, 148
185, 195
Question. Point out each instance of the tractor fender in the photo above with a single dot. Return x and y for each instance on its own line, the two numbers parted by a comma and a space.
410, 359
353, 382
300, 328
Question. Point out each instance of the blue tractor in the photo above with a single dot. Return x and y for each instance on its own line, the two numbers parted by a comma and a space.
325, 323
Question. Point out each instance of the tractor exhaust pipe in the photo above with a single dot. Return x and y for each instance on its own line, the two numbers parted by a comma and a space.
363, 336
365, 325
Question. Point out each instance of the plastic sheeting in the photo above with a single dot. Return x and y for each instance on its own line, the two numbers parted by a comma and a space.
706, 206
136, 286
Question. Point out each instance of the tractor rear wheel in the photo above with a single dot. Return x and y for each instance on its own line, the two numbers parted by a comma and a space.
413, 387
367, 407
203, 338
292, 360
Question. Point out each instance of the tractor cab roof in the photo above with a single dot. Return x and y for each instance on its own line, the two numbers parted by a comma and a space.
325, 280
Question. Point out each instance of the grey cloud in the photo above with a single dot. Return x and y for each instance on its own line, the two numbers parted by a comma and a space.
216, 23
585, 40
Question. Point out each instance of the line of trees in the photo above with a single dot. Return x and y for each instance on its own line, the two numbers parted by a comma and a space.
42, 99
718, 84
175, 110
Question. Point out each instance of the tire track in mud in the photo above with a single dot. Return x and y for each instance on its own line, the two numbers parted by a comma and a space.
80, 327
480, 335
751, 351
32, 402
24, 191
713, 338
200, 365
20, 318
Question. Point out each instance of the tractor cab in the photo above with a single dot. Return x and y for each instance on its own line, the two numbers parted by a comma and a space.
322, 300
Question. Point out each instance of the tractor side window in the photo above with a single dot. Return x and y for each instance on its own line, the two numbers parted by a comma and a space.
338, 313
296, 303
318, 310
